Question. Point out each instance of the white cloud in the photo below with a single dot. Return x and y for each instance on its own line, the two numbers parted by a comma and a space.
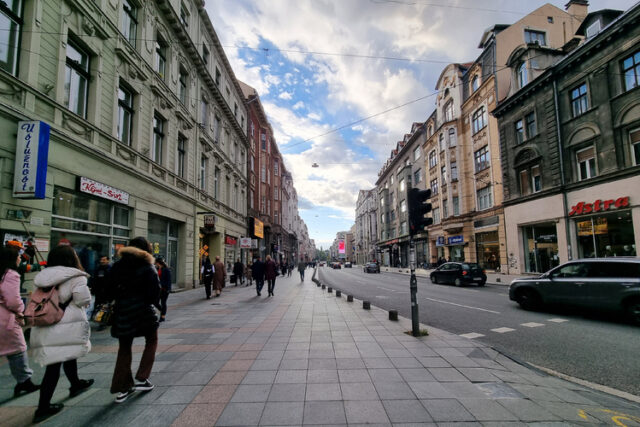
285, 95
298, 105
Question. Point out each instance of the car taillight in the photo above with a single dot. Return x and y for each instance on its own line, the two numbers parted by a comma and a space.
484, 272
464, 272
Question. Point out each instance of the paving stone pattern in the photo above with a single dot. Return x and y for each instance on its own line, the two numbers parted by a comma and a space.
305, 357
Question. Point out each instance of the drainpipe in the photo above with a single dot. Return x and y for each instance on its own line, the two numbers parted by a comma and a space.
562, 178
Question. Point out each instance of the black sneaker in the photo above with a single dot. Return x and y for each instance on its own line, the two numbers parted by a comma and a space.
44, 413
25, 387
82, 385
121, 397
143, 385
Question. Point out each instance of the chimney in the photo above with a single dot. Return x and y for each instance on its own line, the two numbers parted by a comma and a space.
578, 9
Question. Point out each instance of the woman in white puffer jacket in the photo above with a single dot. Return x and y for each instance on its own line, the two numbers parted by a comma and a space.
63, 343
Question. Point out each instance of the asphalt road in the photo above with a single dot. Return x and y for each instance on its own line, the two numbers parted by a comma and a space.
595, 348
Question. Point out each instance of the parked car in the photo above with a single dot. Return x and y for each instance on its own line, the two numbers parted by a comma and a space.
336, 266
459, 274
347, 264
611, 284
371, 267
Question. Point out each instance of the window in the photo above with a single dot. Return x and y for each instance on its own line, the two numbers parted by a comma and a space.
586, 163
129, 21
631, 71
433, 159
158, 138
531, 36
448, 111
519, 125
593, 29
417, 153
429, 131
235, 110
417, 175
523, 75
216, 182
227, 190
454, 171
634, 137
203, 172
403, 205
218, 75
435, 214
263, 141
475, 83
482, 159
10, 23
434, 186
530, 120
161, 56
445, 209
456, 205
391, 180
217, 129
184, 16
204, 112
403, 227
275, 192
402, 184
485, 199
477, 120
276, 167
263, 174
125, 115
579, 102
181, 155
453, 140
536, 183
234, 199
441, 141
443, 174
76, 82
205, 54
182, 86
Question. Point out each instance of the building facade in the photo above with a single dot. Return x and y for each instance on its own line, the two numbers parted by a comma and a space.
366, 232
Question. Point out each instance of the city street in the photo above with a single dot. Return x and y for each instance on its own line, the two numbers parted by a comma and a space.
597, 349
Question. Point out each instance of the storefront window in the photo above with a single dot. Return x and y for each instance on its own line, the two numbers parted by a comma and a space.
540, 248
606, 235
163, 235
92, 226
488, 250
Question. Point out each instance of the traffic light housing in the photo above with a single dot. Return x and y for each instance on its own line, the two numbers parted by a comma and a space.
418, 208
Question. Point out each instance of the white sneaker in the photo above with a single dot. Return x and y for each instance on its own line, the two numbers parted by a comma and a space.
143, 385
121, 397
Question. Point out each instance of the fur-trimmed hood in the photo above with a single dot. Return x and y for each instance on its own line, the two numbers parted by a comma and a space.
135, 253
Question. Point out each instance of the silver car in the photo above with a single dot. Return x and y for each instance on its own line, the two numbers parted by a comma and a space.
599, 283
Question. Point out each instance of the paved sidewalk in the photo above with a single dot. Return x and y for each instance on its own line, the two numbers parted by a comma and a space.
307, 357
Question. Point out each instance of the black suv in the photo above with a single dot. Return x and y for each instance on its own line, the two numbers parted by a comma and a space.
459, 273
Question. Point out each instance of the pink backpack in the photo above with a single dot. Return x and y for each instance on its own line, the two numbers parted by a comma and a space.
44, 308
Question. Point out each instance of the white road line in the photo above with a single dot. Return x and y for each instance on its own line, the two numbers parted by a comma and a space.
461, 305
386, 289
532, 324
382, 296
557, 320
471, 335
502, 330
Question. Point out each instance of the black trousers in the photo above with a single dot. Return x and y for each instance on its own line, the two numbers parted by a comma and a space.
259, 285
51, 377
207, 287
163, 302
271, 284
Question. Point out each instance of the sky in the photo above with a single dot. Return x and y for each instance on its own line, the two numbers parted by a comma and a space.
342, 81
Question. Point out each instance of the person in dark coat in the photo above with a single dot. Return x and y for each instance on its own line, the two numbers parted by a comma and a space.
98, 282
219, 274
301, 267
207, 276
164, 273
270, 273
257, 271
238, 271
135, 287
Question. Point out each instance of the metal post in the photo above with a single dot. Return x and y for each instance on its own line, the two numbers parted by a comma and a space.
413, 286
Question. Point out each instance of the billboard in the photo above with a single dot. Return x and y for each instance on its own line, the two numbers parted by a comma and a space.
258, 228
32, 155
341, 249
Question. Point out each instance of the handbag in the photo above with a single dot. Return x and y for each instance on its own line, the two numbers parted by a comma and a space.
44, 307
104, 314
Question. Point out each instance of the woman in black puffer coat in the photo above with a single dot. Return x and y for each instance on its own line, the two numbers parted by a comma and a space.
135, 287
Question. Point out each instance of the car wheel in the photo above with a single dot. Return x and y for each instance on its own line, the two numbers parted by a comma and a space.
458, 282
528, 299
434, 279
481, 283
632, 310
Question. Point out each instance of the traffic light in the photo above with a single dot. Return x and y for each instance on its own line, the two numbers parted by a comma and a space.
418, 207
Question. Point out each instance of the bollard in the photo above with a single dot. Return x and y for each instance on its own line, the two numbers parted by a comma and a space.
498, 280
366, 305
338, 294
323, 286
393, 315
330, 289
318, 284
349, 298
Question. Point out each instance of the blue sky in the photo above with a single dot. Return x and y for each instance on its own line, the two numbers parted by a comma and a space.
335, 104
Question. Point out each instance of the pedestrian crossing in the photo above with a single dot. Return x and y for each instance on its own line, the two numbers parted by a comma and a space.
505, 330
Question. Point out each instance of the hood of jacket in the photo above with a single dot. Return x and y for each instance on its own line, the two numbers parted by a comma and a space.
133, 253
52, 276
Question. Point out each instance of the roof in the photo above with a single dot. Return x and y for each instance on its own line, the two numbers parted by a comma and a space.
608, 14
494, 29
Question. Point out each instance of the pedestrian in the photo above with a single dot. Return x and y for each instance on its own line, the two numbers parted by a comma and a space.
257, 272
238, 271
289, 268
248, 273
219, 276
164, 274
270, 273
28, 263
63, 343
207, 276
283, 268
98, 284
135, 287
12, 342
301, 267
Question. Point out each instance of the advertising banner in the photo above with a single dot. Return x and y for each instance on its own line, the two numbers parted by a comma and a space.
103, 190
341, 249
258, 228
245, 243
32, 156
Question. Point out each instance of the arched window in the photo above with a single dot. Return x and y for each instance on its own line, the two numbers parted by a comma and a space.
523, 75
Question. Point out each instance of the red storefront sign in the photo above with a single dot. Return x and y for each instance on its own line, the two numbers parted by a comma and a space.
599, 206
103, 190
228, 240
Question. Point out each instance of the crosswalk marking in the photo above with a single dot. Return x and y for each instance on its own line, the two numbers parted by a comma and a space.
502, 330
471, 335
532, 324
557, 320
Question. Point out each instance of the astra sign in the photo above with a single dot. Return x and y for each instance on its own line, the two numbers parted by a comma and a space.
599, 206
32, 156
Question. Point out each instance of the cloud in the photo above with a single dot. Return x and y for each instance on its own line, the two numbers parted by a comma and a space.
285, 95
298, 105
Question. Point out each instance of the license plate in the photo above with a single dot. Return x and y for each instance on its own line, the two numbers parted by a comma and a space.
477, 278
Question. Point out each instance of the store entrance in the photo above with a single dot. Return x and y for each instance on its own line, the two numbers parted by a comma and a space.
541, 248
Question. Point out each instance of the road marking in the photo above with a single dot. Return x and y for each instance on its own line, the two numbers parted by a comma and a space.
386, 289
502, 330
531, 324
557, 320
471, 335
381, 296
461, 305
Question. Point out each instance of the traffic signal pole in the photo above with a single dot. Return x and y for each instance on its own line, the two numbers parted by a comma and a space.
413, 286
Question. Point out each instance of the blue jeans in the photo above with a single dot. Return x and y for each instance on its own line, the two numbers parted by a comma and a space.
19, 366
259, 285
302, 275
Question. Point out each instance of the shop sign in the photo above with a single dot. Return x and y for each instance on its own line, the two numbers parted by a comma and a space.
41, 244
258, 228
599, 206
103, 190
245, 243
254, 243
231, 241
32, 156
209, 221
440, 241
455, 240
